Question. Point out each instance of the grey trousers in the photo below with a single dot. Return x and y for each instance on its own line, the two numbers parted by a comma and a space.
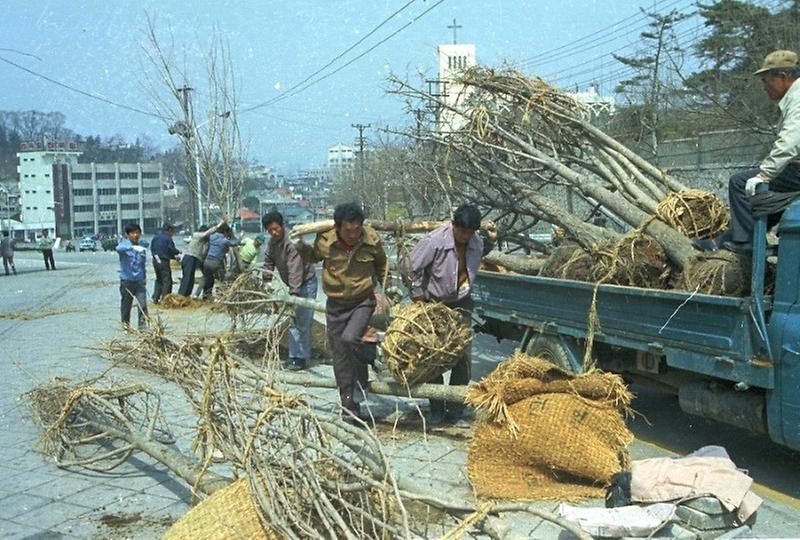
9, 261
213, 269
742, 222
461, 372
346, 324
163, 279
129, 290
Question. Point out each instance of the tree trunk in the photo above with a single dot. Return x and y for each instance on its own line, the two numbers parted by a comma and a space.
516, 263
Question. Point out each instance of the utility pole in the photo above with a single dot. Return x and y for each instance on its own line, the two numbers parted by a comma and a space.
360, 158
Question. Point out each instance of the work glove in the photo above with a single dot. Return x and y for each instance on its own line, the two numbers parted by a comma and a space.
752, 183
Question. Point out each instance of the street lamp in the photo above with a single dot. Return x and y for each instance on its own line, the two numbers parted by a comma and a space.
189, 131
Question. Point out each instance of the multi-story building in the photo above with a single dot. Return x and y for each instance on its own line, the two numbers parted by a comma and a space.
341, 156
36, 186
73, 199
106, 196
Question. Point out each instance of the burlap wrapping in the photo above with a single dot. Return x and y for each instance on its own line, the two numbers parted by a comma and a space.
228, 513
547, 434
424, 340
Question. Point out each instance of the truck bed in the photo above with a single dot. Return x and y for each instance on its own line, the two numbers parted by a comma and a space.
707, 334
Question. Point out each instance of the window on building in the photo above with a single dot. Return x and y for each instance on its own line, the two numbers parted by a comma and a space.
81, 176
151, 175
105, 176
47, 191
47, 175
128, 175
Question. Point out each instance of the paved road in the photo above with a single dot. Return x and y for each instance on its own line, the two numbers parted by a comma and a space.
40, 499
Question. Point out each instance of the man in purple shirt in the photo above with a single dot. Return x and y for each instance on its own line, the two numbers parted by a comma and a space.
442, 268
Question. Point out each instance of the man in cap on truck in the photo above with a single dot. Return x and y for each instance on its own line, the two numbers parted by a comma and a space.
780, 170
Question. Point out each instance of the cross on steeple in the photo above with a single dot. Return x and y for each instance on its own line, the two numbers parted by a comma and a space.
455, 28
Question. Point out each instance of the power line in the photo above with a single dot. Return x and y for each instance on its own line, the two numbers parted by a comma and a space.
81, 92
551, 57
335, 58
340, 68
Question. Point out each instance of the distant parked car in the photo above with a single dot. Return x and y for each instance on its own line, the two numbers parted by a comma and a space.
88, 244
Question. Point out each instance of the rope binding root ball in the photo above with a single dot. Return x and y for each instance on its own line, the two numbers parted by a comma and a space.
424, 340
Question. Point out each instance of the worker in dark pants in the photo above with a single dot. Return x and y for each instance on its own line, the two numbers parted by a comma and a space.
780, 170
163, 250
7, 251
214, 265
354, 262
46, 244
194, 257
442, 268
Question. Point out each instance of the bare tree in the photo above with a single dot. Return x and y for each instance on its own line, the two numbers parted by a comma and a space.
211, 138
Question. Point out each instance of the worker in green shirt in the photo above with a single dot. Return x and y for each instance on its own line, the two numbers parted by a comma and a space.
248, 253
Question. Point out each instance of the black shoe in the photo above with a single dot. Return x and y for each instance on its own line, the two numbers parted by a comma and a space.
296, 365
738, 247
704, 244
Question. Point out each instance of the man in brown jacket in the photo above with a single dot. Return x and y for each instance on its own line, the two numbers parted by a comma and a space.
300, 278
353, 264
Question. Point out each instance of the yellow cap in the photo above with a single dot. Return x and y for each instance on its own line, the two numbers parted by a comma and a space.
778, 60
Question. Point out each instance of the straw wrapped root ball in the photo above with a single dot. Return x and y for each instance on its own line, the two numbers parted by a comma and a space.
695, 213
424, 340
569, 261
722, 273
636, 260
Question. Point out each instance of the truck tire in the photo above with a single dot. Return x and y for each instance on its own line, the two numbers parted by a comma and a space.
549, 348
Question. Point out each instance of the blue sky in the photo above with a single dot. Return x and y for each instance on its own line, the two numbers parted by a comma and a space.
97, 46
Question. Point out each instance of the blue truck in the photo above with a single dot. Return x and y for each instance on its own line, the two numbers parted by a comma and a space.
735, 360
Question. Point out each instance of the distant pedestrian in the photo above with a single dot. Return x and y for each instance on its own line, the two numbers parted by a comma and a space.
248, 253
194, 257
132, 274
46, 245
301, 279
163, 251
214, 265
7, 251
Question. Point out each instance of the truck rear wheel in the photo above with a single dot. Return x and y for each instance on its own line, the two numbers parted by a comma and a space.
551, 349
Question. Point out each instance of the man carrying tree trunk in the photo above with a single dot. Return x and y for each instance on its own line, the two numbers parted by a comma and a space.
300, 277
442, 268
780, 170
354, 263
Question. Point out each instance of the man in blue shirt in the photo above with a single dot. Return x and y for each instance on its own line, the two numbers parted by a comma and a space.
214, 265
163, 250
132, 267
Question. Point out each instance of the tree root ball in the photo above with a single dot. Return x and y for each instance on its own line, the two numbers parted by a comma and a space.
424, 340
569, 261
695, 213
636, 261
722, 273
